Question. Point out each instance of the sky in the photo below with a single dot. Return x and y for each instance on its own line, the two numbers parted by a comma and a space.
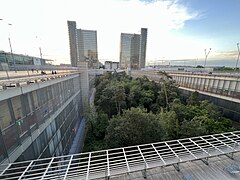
178, 30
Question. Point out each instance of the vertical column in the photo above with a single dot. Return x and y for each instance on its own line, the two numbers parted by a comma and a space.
84, 83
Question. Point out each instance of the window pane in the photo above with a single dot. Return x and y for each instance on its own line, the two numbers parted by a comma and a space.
2, 149
10, 137
35, 99
5, 118
16, 104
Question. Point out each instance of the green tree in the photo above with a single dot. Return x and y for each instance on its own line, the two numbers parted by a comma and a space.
180, 109
97, 124
170, 124
169, 90
134, 126
194, 127
194, 98
119, 96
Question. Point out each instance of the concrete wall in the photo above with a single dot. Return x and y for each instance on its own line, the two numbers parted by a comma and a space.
228, 106
37, 120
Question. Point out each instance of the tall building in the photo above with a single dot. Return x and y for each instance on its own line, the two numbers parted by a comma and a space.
133, 50
83, 45
87, 46
142, 50
72, 42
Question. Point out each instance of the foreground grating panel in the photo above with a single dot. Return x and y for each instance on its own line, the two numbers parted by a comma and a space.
117, 161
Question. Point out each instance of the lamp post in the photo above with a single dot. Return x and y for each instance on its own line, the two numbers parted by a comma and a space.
10, 44
237, 57
206, 55
9, 40
6, 68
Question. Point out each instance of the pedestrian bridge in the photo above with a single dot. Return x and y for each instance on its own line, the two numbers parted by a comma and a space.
181, 155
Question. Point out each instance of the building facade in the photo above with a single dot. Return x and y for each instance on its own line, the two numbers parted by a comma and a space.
143, 47
111, 65
83, 45
72, 33
133, 50
17, 60
40, 119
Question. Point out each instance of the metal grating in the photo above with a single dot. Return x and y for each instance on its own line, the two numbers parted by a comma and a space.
118, 161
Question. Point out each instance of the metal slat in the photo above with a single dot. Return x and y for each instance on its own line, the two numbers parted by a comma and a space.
5, 169
47, 168
159, 155
199, 147
88, 168
25, 170
126, 160
223, 143
187, 149
65, 176
142, 156
108, 170
212, 145
93, 164
235, 135
173, 152
230, 139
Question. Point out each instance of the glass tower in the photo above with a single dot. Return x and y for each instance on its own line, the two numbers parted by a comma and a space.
133, 50
83, 45
72, 42
87, 46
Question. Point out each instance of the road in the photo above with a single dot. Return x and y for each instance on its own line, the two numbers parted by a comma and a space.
20, 74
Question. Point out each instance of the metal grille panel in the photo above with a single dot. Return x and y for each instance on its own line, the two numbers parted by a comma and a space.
118, 161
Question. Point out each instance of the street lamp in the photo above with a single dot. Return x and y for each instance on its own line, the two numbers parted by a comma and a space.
9, 40
10, 44
206, 55
238, 56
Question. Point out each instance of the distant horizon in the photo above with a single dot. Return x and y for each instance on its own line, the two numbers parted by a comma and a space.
210, 63
173, 62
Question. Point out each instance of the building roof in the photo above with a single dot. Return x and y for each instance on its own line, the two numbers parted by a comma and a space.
203, 157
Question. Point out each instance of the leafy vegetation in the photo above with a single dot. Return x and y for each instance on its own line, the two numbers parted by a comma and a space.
225, 69
135, 111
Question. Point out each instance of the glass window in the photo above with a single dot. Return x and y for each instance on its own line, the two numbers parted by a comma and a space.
55, 140
10, 137
5, 117
36, 147
46, 153
30, 101
51, 147
2, 149
35, 99
49, 132
29, 153
16, 104
3, 57
25, 104
43, 139
53, 125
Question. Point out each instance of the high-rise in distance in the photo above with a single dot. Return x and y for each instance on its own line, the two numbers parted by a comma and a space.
133, 50
83, 45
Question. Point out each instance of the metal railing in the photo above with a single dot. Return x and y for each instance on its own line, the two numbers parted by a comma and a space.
120, 161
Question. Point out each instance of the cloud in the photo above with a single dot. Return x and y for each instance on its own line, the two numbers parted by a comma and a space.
48, 20
223, 55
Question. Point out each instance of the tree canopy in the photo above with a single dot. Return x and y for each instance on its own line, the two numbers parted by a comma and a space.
135, 111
